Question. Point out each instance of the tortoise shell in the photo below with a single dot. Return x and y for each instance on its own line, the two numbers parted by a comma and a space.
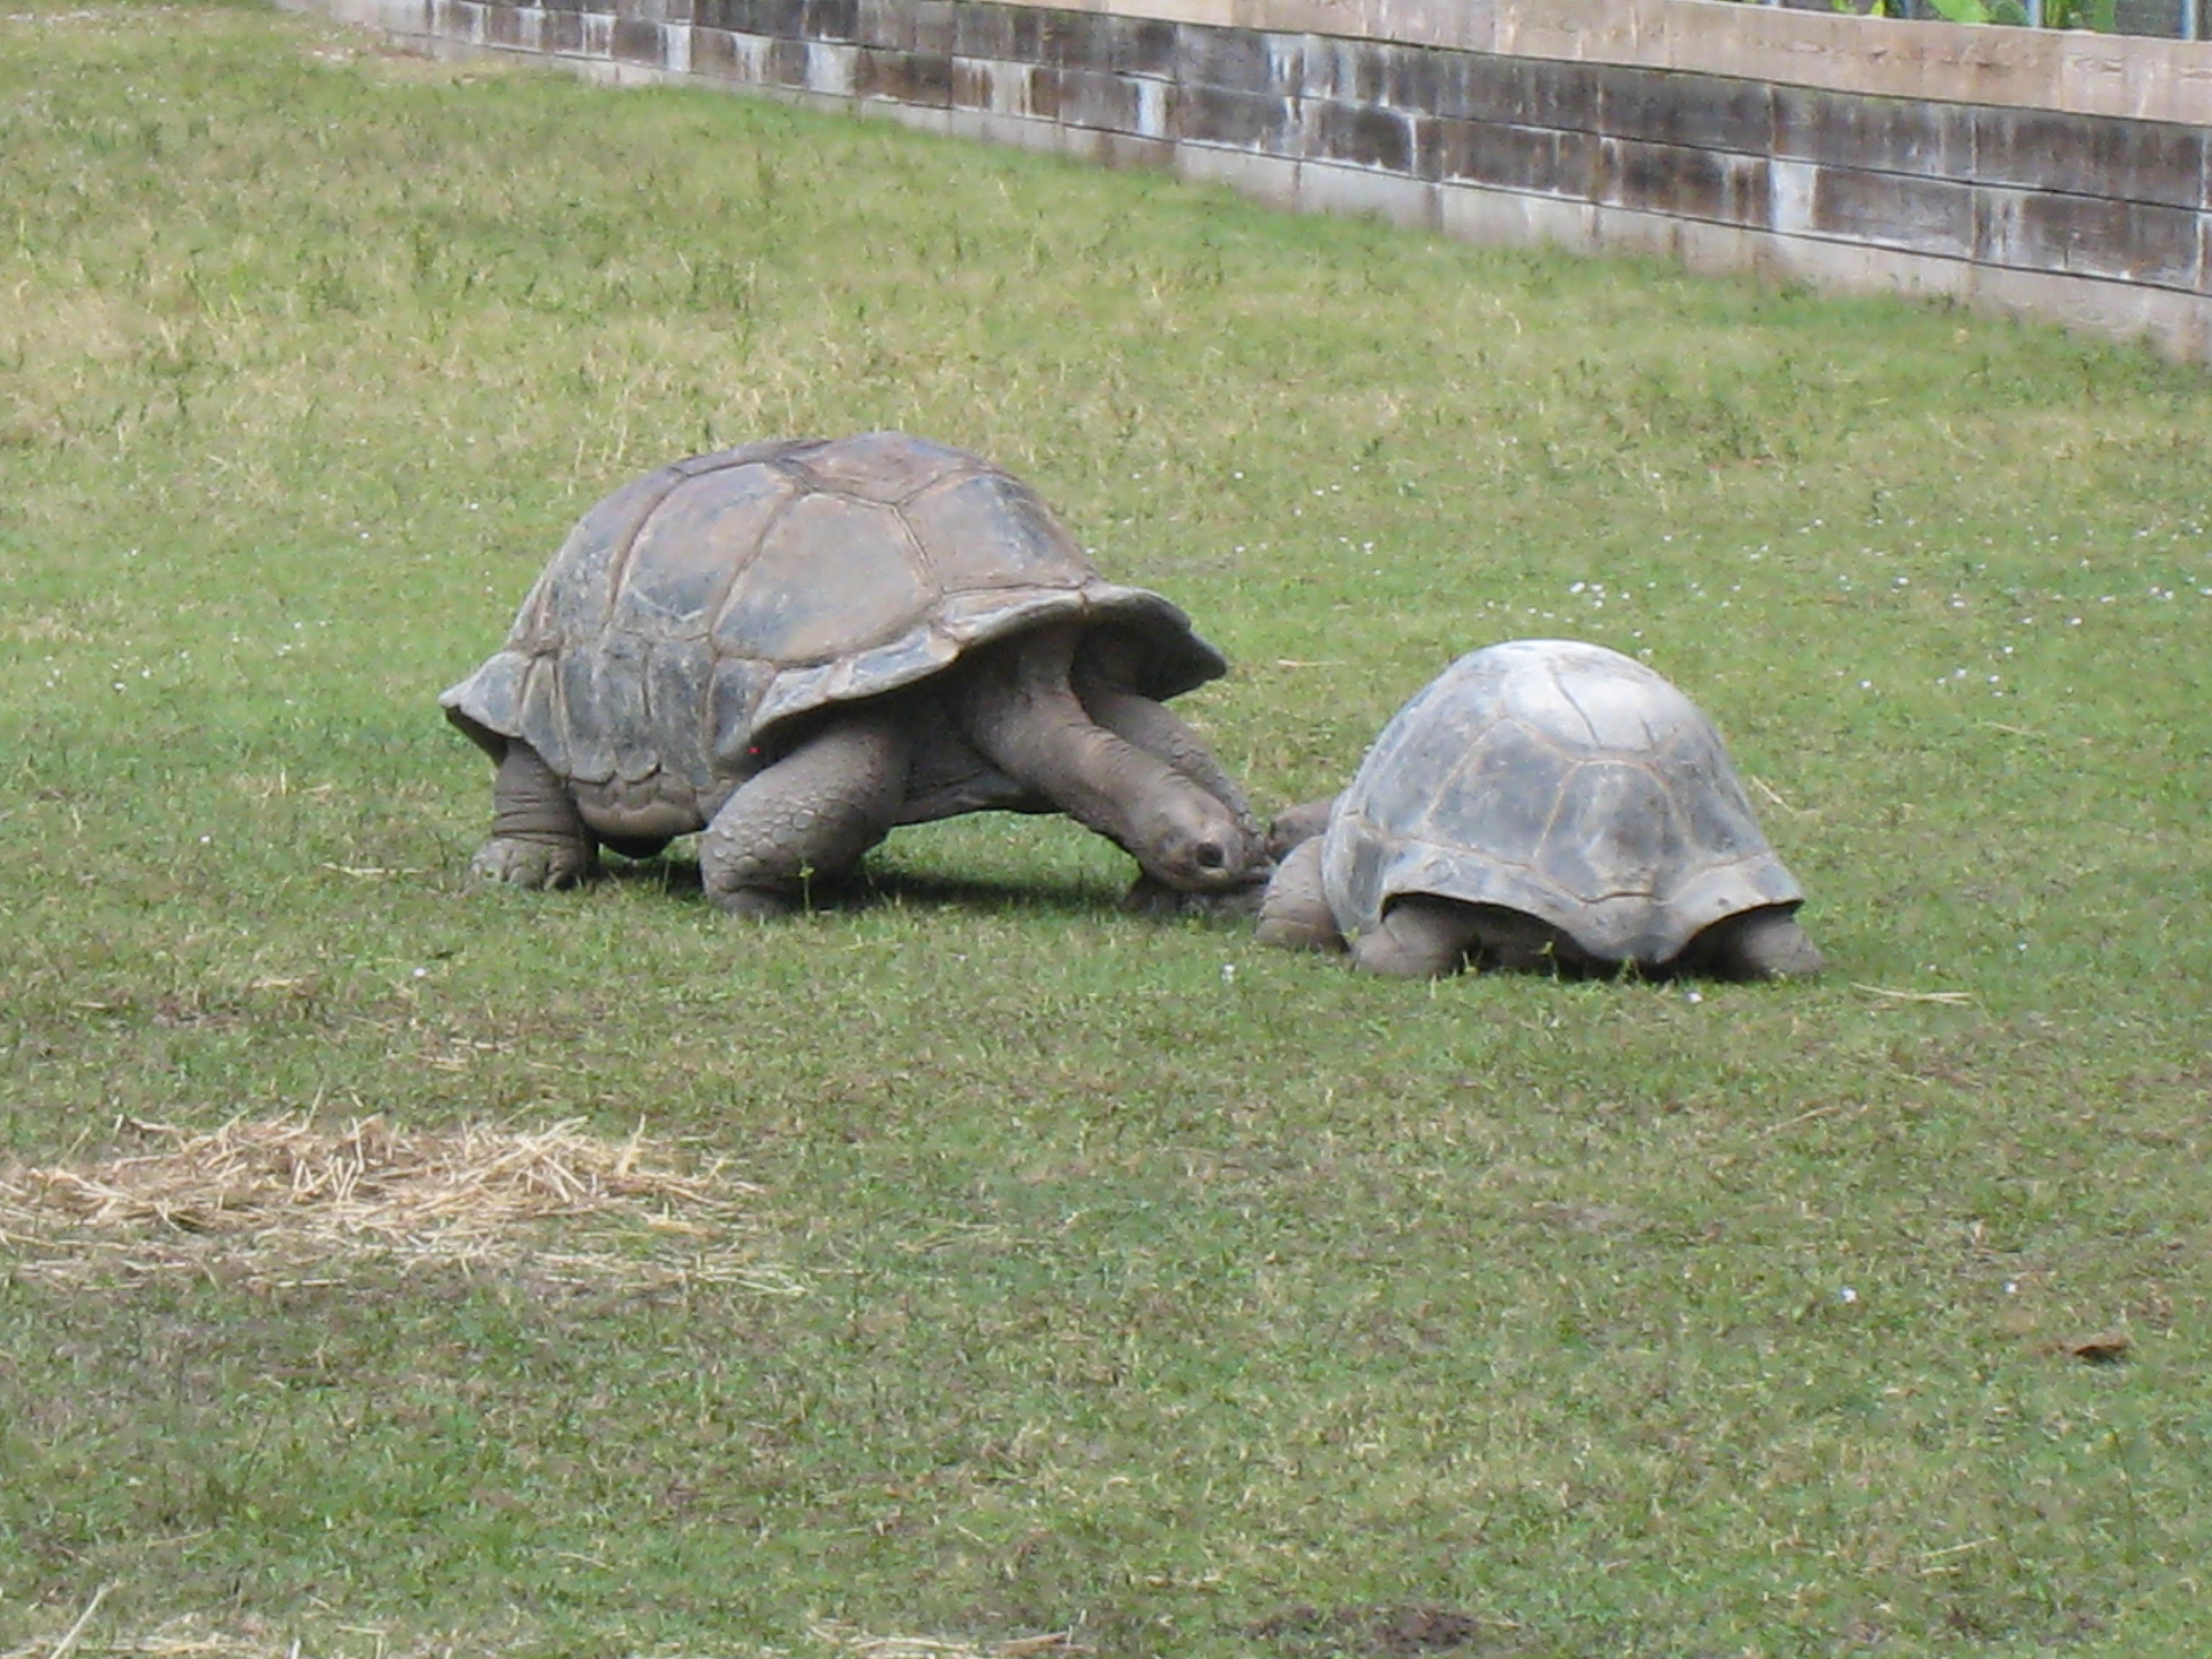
694, 619
1565, 781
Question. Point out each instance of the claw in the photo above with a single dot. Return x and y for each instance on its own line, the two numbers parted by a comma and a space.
512, 862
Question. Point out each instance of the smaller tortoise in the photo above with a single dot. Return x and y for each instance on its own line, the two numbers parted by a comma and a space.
795, 646
1542, 802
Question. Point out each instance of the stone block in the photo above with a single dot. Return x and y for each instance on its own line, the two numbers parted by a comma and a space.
923, 80
1364, 134
1096, 99
1363, 192
1883, 209
984, 31
1238, 60
1698, 112
2087, 236
1518, 92
1543, 160
1272, 179
1502, 218
1238, 120
1676, 178
638, 42
1882, 135
2092, 155
830, 20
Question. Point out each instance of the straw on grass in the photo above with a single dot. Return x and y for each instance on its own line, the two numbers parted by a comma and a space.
278, 1196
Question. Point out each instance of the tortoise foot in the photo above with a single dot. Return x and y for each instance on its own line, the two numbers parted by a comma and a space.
755, 903
517, 862
1762, 945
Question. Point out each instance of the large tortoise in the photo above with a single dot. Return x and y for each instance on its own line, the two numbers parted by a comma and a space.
1542, 802
795, 646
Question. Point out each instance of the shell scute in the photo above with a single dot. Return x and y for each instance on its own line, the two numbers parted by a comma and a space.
984, 531
830, 576
1508, 780
684, 558
1614, 835
734, 695
884, 467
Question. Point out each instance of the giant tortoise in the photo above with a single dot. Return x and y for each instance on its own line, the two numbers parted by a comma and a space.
1542, 802
795, 646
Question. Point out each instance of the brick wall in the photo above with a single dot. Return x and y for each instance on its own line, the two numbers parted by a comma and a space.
1838, 169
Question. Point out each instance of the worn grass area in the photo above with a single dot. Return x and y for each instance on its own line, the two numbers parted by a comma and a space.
1092, 1284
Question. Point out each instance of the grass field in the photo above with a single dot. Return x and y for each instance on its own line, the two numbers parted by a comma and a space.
395, 1269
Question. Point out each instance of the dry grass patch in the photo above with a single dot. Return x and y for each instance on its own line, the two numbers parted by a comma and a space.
283, 1200
193, 1637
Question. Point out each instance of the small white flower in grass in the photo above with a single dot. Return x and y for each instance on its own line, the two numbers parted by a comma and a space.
1866, 685
1229, 973
1694, 996
207, 841
2012, 1287
1847, 1295
422, 973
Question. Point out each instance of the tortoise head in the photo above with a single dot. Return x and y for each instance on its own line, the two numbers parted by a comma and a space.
1188, 839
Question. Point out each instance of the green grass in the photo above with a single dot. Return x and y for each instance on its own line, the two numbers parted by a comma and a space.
1196, 1300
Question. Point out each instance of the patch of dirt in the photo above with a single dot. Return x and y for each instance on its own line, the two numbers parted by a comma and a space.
1385, 1632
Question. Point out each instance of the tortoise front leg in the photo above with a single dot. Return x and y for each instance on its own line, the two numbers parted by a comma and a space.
1016, 705
1295, 915
1151, 725
810, 816
537, 836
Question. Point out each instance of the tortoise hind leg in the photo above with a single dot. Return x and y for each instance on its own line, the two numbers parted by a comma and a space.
537, 836
1764, 944
809, 817
1418, 938
1422, 936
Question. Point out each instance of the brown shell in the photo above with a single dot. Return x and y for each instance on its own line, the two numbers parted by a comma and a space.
694, 615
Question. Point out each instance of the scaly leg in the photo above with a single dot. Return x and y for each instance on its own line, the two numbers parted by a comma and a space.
537, 836
1015, 704
810, 816
1295, 915
1763, 944
1418, 938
